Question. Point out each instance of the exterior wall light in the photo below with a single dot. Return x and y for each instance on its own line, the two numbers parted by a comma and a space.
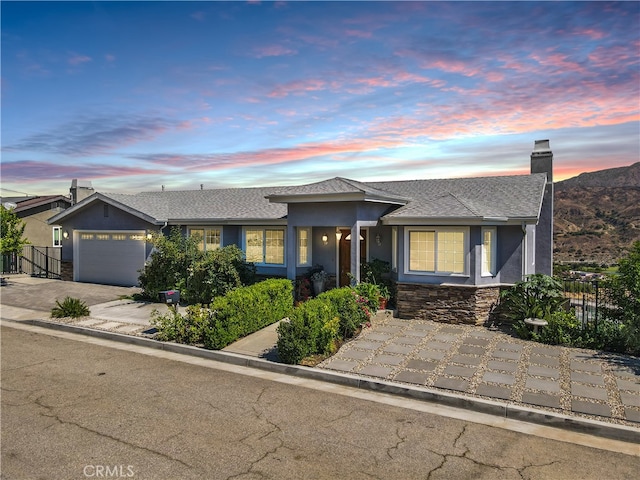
325, 239
65, 234
149, 236
378, 239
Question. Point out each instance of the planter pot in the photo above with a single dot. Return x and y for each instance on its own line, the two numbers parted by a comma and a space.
382, 303
318, 287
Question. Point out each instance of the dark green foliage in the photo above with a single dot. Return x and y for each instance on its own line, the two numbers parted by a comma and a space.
536, 297
216, 273
11, 232
370, 292
377, 272
318, 325
246, 310
240, 312
70, 307
170, 261
350, 309
174, 327
176, 263
311, 329
625, 297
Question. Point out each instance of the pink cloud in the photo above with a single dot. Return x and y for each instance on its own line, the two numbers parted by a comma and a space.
298, 87
358, 33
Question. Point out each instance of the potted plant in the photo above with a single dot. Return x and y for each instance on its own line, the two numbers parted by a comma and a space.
319, 279
384, 296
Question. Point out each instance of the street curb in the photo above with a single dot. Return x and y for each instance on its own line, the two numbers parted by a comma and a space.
505, 410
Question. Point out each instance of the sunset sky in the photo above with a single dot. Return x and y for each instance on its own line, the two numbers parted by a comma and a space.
135, 95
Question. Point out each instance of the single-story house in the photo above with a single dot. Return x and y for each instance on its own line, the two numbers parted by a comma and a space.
452, 243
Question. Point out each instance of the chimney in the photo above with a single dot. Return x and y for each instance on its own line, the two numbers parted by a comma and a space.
542, 162
542, 159
80, 189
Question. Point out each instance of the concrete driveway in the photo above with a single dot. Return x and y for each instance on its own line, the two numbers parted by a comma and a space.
108, 302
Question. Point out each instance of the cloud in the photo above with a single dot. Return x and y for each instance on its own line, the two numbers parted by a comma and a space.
78, 59
273, 51
96, 135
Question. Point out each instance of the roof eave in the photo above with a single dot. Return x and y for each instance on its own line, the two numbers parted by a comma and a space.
470, 221
335, 197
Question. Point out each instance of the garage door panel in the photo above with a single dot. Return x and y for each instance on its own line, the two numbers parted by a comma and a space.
112, 258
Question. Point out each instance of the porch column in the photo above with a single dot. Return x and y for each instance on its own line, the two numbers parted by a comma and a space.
291, 247
355, 251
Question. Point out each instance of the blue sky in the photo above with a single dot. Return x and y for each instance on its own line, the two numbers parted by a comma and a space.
135, 95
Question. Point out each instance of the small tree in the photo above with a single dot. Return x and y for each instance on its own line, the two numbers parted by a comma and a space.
11, 232
170, 261
625, 295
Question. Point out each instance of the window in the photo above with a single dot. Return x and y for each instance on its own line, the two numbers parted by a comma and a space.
208, 238
304, 247
264, 245
489, 252
436, 250
394, 249
57, 236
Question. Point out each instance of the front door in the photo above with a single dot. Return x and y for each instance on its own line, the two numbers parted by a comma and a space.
344, 254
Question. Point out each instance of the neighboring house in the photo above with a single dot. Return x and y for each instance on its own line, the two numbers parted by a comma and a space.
34, 211
452, 243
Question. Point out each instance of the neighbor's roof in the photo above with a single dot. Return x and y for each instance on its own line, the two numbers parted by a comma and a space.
499, 199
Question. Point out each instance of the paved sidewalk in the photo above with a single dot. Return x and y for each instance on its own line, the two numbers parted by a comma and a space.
488, 363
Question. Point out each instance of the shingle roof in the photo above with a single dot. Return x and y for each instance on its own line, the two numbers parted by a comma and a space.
482, 198
218, 204
515, 196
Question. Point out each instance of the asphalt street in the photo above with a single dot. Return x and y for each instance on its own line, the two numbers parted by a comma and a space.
74, 407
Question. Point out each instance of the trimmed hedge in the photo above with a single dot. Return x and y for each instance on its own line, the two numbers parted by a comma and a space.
240, 312
316, 326
246, 310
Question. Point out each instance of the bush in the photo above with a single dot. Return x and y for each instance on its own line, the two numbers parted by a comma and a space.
246, 310
174, 327
370, 292
241, 312
536, 297
318, 325
311, 329
70, 307
352, 309
170, 261
625, 296
215, 274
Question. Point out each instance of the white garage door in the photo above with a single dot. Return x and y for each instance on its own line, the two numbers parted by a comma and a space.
110, 258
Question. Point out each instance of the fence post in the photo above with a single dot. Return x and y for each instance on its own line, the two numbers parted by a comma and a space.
46, 261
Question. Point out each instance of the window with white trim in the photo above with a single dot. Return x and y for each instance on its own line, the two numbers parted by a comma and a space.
489, 251
394, 249
264, 245
304, 247
436, 250
57, 236
209, 238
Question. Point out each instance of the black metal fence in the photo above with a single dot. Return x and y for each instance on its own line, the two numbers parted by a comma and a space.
35, 261
590, 300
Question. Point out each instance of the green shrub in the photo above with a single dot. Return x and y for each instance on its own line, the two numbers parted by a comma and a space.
70, 307
536, 297
370, 292
174, 327
625, 296
170, 261
306, 332
215, 274
241, 312
350, 308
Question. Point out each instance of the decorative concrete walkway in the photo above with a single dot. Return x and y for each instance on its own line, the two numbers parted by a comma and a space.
488, 363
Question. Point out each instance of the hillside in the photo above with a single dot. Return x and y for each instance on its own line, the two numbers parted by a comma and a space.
597, 215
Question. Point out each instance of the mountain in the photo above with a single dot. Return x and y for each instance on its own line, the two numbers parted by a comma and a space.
597, 215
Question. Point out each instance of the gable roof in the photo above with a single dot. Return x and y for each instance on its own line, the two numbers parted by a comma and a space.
335, 189
218, 205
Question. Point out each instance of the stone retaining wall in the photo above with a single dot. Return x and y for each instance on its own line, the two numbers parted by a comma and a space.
66, 271
447, 303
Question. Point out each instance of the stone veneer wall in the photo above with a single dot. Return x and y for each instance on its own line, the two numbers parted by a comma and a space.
447, 303
66, 271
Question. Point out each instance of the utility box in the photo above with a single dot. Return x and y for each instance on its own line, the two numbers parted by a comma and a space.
170, 297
